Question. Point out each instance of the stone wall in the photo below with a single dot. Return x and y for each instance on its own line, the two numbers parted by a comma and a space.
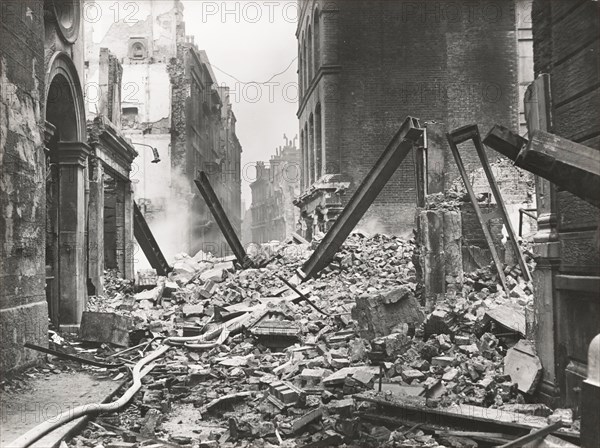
23, 308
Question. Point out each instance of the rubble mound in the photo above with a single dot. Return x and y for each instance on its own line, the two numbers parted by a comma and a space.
288, 369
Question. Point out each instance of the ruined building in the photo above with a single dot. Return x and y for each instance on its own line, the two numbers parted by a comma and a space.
171, 102
364, 66
65, 189
567, 275
274, 216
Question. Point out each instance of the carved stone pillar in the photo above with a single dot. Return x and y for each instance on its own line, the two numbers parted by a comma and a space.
72, 160
96, 226
128, 237
546, 248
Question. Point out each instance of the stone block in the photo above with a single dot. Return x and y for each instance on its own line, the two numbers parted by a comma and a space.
378, 314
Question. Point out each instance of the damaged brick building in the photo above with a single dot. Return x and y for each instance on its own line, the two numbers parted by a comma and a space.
365, 65
171, 102
274, 216
56, 234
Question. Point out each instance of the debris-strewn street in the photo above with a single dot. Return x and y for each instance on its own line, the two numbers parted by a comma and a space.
278, 368
299, 223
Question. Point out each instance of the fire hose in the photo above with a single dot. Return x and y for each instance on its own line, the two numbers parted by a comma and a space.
201, 341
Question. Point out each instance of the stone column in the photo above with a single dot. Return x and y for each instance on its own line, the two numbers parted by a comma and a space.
72, 160
96, 226
546, 249
121, 185
128, 231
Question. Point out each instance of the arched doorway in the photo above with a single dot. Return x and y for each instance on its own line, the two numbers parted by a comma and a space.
66, 159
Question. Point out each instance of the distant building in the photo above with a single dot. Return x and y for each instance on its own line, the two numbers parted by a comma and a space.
364, 66
274, 217
171, 101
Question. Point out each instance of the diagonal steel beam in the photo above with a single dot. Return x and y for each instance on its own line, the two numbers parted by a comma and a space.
571, 166
472, 133
220, 216
401, 144
459, 136
148, 244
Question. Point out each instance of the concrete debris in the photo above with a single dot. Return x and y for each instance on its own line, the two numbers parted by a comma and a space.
523, 366
378, 314
275, 370
105, 327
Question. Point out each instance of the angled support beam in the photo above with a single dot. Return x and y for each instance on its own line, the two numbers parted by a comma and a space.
148, 244
570, 166
454, 138
409, 134
220, 216
472, 133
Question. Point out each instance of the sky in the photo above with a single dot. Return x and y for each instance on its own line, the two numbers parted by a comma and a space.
250, 43
252, 48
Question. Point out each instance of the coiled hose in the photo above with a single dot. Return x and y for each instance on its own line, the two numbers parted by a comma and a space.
201, 341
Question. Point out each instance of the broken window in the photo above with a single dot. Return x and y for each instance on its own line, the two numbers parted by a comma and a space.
137, 50
129, 116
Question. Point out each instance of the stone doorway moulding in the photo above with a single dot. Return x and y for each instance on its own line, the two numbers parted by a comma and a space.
68, 152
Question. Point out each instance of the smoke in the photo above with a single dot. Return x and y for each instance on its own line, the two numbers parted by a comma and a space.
370, 226
169, 219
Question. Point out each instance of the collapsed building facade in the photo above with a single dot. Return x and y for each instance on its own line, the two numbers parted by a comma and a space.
66, 190
364, 66
274, 216
171, 102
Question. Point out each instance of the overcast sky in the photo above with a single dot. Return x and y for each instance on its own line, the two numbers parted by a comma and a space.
252, 48
251, 42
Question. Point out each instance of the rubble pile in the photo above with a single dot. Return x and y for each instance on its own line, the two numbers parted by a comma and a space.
277, 368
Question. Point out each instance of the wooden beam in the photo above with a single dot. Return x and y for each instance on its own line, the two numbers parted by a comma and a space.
534, 435
569, 165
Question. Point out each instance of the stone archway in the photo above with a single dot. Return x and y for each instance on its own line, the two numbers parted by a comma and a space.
67, 153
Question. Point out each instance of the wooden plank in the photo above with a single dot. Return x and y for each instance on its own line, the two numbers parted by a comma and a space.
534, 435
469, 187
569, 165
464, 416
553, 148
573, 76
571, 123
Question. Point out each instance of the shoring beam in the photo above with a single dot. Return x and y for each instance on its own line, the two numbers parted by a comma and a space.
148, 244
396, 151
211, 199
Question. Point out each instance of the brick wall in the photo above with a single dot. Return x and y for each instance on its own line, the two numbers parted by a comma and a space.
385, 60
23, 309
